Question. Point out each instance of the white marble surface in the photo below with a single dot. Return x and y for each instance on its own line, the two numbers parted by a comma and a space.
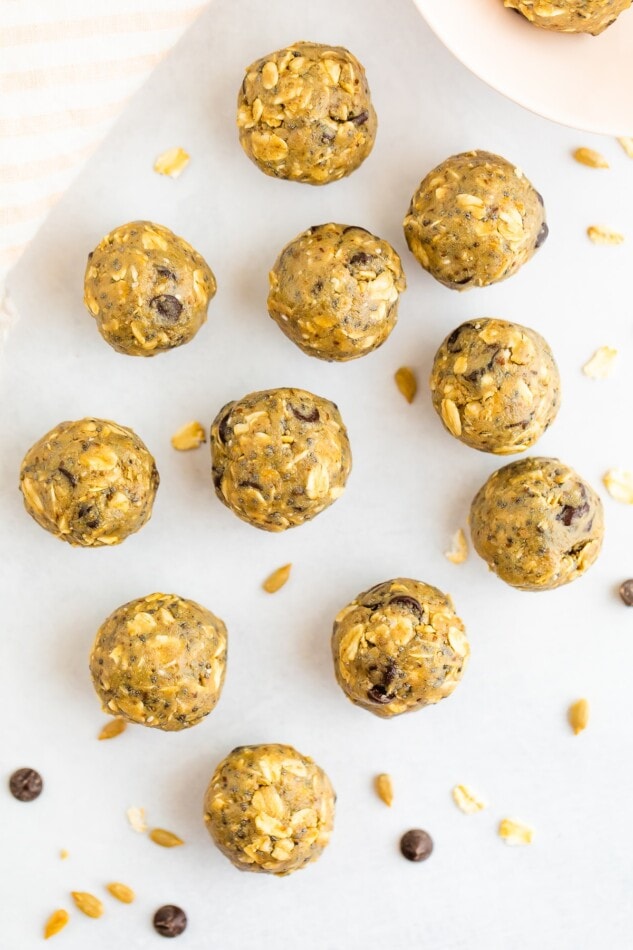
504, 730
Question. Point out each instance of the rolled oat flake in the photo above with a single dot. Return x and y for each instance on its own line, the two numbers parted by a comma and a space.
416, 845
626, 592
26, 785
170, 921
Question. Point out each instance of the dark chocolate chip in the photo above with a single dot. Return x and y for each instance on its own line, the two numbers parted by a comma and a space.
360, 258
224, 430
354, 227
416, 845
90, 255
166, 272
569, 513
26, 785
626, 592
379, 694
250, 484
71, 478
464, 280
359, 119
539, 195
170, 921
312, 416
542, 235
409, 602
168, 306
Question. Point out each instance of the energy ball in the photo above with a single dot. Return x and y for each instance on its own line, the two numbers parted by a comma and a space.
160, 661
279, 457
304, 113
147, 289
334, 291
495, 385
474, 220
90, 482
571, 16
537, 524
268, 808
399, 646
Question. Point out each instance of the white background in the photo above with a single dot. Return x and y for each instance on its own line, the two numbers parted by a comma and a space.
504, 730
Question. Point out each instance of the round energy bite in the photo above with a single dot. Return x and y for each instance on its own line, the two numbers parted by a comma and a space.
399, 646
474, 220
304, 113
160, 661
495, 385
537, 524
90, 482
148, 289
268, 808
571, 16
279, 457
334, 291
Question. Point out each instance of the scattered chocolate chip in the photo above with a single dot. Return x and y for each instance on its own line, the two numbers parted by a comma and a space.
378, 694
354, 227
360, 258
570, 513
416, 845
542, 235
26, 785
312, 416
168, 306
463, 281
166, 272
359, 119
626, 592
71, 478
90, 255
224, 429
170, 921
538, 193
410, 602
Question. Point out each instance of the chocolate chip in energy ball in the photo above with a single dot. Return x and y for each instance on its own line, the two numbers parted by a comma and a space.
170, 921
626, 592
168, 306
416, 845
26, 785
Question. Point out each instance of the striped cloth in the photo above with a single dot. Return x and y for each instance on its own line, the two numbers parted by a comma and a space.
67, 69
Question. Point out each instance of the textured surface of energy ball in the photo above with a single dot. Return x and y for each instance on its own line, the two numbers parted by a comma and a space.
334, 291
160, 661
571, 16
90, 482
304, 113
279, 457
268, 808
537, 524
147, 288
495, 385
399, 646
474, 220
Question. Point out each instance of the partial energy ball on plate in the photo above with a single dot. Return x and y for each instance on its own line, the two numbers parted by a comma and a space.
495, 385
147, 288
334, 291
268, 808
304, 113
398, 647
571, 16
160, 661
279, 457
537, 524
474, 220
90, 482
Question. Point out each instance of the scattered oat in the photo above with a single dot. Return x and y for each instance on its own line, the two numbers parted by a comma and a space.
63, 854
113, 728
627, 144
406, 382
515, 832
468, 800
136, 818
190, 436
384, 788
172, 162
56, 922
122, 892
88, 904
578, 715
619, 484
587, 156
601, 364
603, 235
277, 579
166, 839
458, 551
